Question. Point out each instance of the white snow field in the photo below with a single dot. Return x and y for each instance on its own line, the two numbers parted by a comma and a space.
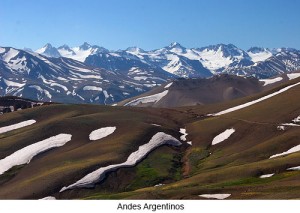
222, 136
292, 76
183, 136
271, 81
159, 185
261, 56
266, 175
102, 133
92, 88
255, 101
290, 124
48, 198
157, 140
147, 99
296, 120
24, 155
215, 196
294, 168
16, 126
291, 150
168, 85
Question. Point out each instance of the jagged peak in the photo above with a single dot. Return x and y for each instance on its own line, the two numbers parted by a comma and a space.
175, 45
85, 46
65, 46
135, 49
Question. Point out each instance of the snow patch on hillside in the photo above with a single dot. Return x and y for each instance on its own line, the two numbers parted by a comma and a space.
168, 85
12, 83
183, 136
294, 168
266, 175
48, 198
223, 136
92, 88
148, 99
290, 124
102, 133
271, 81
296, 120
292, 76
16, 126
215, 196
292, 150
24, 155
157, 140
254, 102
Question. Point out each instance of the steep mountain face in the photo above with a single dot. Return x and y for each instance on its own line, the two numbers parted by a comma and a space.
35, 76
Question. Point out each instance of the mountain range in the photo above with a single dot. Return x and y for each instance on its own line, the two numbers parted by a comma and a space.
94, 74
188, 62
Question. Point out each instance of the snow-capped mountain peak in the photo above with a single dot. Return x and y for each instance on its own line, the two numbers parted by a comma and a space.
66, 51
220, 56
258, 54
176, 48
135, 49
175, 45
65, 47
185, 62
49, 50
85, 46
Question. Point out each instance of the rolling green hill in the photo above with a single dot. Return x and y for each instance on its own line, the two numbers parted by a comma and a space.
233, 166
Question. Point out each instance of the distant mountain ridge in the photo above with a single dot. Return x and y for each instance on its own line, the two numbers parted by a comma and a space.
186, 62
35, 76
94, 74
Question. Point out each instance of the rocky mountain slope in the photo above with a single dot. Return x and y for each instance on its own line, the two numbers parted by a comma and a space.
35, 76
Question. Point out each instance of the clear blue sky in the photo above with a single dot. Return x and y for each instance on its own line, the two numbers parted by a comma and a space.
150, 24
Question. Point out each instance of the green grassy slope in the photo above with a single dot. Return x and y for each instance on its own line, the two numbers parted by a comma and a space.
233, 166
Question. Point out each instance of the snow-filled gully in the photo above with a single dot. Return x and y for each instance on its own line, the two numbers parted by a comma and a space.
98, 175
